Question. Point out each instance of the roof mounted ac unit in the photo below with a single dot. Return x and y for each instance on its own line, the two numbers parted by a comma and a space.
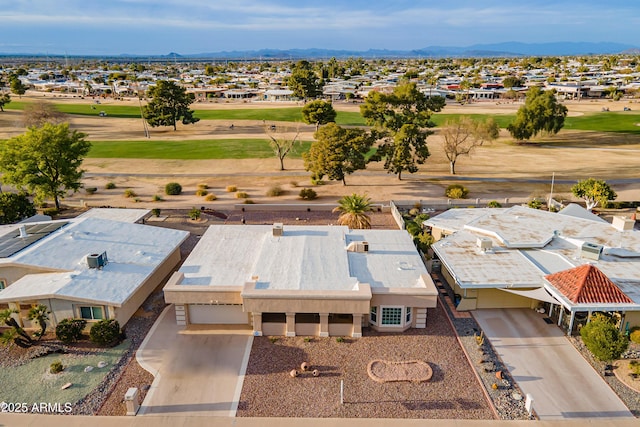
97, 260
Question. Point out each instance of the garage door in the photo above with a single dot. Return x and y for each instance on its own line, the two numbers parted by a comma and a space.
217, 314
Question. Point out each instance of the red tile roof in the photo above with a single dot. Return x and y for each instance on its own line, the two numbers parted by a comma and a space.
587, 284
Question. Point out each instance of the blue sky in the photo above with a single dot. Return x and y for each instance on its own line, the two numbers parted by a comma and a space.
151, 27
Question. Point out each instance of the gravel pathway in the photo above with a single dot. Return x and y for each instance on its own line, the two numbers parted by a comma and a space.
452, 393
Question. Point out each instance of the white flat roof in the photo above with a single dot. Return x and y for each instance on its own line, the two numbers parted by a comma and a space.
531, 243
134, 252
114, 214
303, 258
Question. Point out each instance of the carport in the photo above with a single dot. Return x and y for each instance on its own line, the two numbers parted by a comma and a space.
546, 365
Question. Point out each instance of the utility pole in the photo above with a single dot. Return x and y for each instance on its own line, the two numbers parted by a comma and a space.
553, 178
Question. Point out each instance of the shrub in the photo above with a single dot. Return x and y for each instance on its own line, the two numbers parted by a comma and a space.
456, 191
90, 190
241, 195
293, 184
634, 366
129, 193
249, 202
157, 198
50, 211
56, 367
155, 212
534, 204
70, 330
339, 339
110, 186
308, 194
194, 213
602, 338
210, 197
172, 189
203, 186
275, 191
635, 335
105, 332
231, 188
201, 192
494, 204
414, 211
413, 228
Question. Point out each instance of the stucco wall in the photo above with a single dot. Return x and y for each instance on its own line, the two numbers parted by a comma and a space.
306, 305
12, 273
633, 317
495, 298
124, 313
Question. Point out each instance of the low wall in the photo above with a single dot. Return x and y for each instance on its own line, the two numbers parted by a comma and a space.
295, 207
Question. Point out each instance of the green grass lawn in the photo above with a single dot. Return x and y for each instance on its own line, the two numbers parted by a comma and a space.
190, 150
600, 121
32, 383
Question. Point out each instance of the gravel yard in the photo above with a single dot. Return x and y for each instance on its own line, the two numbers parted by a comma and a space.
452, 393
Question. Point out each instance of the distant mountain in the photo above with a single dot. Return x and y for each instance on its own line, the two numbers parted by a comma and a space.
478, 50
507, 49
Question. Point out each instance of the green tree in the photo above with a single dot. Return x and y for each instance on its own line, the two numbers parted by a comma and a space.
5, 98
603, 339
541, 112
304, 82
337, 152
401, 121
169, 104
318, 113
512, 81
462, 135
17, 87
282, 140
353, 211
45, 160
594, 192
15, 207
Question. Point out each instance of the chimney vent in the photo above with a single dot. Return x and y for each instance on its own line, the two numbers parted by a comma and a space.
484, 243
278, 229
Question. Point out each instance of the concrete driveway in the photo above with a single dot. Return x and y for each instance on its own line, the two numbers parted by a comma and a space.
546, 365
197, 373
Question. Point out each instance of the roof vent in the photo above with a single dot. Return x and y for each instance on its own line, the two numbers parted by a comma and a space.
278, 229
23, 231
484, 243
621, 223
97, 260
591, 251
360, 247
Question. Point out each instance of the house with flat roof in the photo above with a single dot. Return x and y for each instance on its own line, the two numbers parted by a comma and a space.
303, 280
571, 263
100, 265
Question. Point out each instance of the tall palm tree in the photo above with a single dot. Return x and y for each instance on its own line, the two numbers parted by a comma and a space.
353, 211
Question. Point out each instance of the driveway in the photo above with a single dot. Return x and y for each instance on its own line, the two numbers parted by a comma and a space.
197, 373
546, 365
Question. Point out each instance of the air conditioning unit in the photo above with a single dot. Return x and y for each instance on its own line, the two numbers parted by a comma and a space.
484, 243
360, 247
97, 260
591, 251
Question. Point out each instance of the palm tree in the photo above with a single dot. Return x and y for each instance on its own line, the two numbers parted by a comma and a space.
353, 211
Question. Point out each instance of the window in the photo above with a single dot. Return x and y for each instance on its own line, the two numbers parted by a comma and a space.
92, 313
391, 316
407, 316
373, 315
3, 284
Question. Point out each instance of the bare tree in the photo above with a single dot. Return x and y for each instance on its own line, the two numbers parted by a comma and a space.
38, 113
462, 135
282, 139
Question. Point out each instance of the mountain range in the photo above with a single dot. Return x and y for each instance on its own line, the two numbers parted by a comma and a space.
478, 50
